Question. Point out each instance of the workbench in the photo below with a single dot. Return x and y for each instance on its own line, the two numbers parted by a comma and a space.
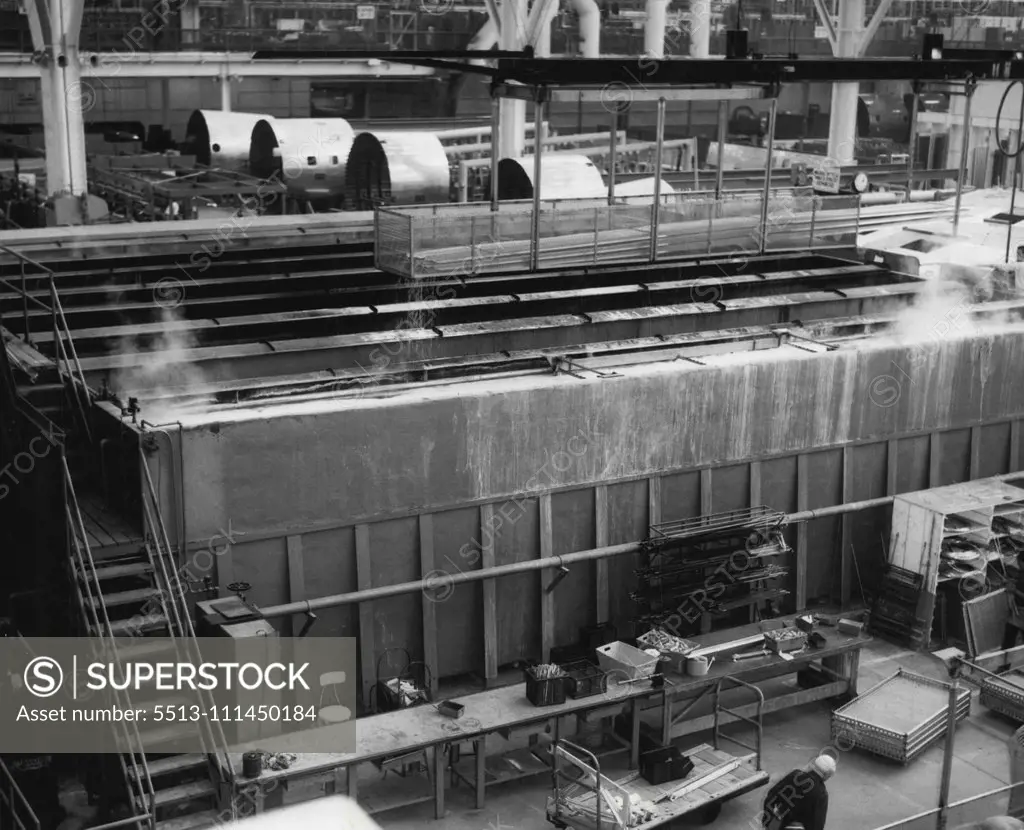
497, 710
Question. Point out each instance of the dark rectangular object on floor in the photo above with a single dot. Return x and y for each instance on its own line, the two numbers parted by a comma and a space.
666, 763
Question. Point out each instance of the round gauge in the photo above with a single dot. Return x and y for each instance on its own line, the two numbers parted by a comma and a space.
860, 182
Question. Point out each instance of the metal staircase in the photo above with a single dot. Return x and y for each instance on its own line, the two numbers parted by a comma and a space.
139, 595
142, 597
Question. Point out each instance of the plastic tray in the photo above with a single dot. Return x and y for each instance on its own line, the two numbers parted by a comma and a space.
623, 661
900, 716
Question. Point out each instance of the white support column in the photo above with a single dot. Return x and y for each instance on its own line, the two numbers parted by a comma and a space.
225, 90
842, 130
654, 29
700, 28
55, 27
512, 134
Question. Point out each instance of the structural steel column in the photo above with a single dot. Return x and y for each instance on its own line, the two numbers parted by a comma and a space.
700, 28
842, 128
512, 134
225, 90
55, 26
654, 29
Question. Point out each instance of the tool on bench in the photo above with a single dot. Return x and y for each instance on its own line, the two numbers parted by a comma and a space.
750, 655
690, 786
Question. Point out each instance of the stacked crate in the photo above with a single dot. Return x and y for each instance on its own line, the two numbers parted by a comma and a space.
894, 613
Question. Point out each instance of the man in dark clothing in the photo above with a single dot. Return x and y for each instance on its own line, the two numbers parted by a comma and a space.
800, 800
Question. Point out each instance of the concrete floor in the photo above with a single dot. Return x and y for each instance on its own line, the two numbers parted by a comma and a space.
867, 792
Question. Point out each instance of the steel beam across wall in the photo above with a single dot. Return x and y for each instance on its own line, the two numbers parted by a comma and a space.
924, 466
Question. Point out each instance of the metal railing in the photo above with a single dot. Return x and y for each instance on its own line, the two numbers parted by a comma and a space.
65, 357
927, 819
97, 621
179, 621
14, 803
460, 239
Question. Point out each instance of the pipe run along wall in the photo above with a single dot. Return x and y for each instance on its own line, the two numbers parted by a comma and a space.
590, 27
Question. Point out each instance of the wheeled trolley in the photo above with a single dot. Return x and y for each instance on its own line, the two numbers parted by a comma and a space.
587, 800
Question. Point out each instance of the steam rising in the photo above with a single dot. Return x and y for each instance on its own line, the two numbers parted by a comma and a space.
164, 371
966, 278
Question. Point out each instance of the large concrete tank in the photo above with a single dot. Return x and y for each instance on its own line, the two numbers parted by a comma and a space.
308, 154
561, 177
221, 139
397, 169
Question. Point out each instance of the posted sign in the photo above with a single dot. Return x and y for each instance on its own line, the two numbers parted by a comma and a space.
366, 12
825, 177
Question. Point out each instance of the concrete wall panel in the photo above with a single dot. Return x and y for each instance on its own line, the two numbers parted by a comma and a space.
912, 464
398, 622
329, 565
994, 450
680, 496
955, 456
460, 642
517, 540
627, 522
825, 472
264, 565
730, 488
573, 529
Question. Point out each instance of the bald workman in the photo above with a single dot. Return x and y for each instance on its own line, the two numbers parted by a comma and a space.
1001, 823
800, 800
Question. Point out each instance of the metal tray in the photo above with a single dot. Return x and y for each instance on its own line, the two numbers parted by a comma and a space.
1005, 695
900, 716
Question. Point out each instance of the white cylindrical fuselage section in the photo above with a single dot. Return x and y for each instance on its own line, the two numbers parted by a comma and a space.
590, 27
397, 168
638, 189
561, 177
221, 139
307, 154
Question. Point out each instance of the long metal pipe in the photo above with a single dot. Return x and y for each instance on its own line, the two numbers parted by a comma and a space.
656, 205
766, 193
437, 583
965, 145
538, 152
912, 137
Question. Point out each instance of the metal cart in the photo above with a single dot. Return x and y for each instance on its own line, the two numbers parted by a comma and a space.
585, 799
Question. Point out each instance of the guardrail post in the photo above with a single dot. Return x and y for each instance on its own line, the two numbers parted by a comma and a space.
912, 141
814, 214
539, 108
24, 303
597, 223
614, 140
768, 174
656, 206
965, 144
723, 121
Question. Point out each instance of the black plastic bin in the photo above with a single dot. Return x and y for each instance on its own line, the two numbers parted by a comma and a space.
592, 637
584, 679
666, 763
548, 692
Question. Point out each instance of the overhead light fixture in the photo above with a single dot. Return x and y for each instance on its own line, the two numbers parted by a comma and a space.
932, 47
1018, 56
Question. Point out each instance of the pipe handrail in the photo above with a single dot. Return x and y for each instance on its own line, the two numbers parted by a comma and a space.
416, 586
143, 783
154, 517
16, 790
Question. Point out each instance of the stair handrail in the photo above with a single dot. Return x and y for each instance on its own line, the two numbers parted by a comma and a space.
67, 368
17, 797
178, 593
142, 782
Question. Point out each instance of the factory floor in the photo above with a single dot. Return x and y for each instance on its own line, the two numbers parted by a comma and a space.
867, 792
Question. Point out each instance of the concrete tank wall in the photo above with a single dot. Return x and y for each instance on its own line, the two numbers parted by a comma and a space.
377, 491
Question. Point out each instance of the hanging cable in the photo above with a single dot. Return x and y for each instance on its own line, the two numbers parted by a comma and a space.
1016, 159
1020, 122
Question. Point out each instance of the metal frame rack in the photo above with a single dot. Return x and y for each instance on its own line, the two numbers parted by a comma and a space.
710, 566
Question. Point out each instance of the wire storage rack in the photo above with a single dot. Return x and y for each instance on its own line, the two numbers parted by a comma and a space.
694, 570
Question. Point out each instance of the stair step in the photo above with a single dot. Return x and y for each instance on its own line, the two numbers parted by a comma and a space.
152, 738
182, 793
146, 647
119, 571
193, 821
126, 597
173, 765
126, 628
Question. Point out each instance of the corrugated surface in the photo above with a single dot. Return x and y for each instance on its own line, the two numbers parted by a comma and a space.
432, 450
